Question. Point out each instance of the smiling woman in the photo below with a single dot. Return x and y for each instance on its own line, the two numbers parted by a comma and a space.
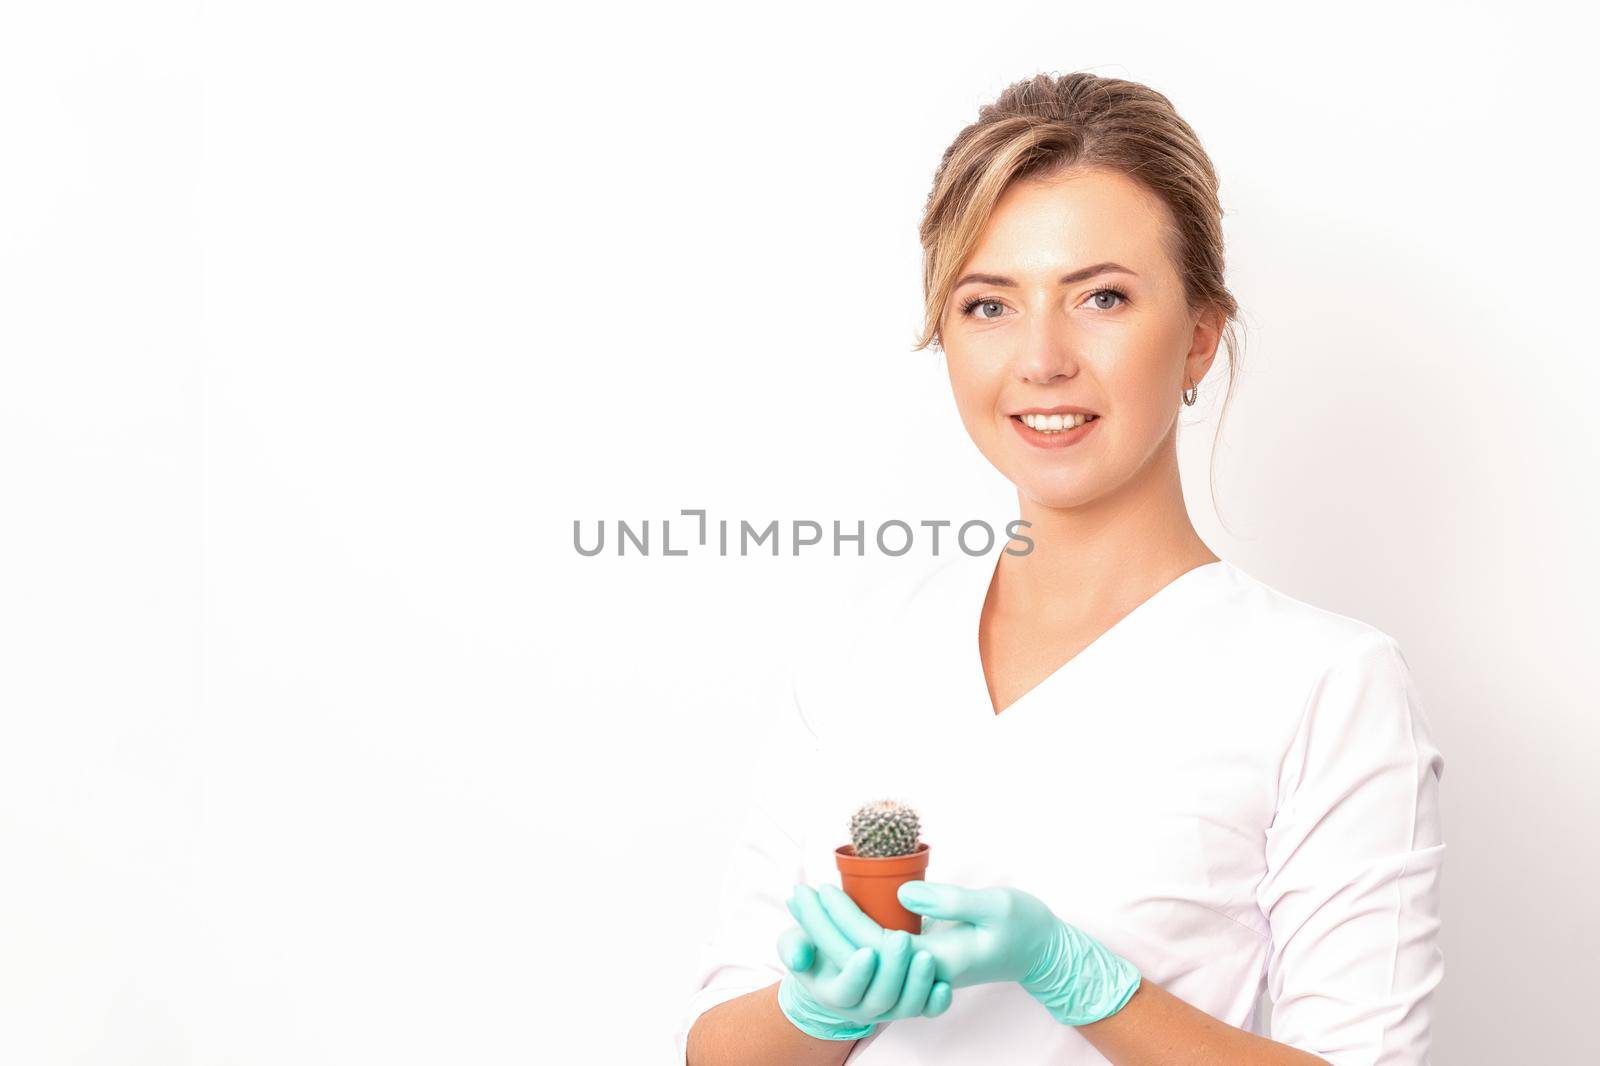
1076, 219
1155, 786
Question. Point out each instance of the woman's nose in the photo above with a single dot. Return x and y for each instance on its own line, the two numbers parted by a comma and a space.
1047, 352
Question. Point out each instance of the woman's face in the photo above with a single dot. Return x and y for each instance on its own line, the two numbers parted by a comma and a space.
1037, 329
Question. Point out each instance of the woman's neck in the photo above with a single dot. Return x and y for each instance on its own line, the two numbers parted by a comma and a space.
1103, 556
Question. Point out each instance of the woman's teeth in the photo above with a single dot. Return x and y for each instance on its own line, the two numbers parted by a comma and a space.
1056, 423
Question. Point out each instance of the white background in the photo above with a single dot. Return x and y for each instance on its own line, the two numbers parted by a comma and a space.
322, 322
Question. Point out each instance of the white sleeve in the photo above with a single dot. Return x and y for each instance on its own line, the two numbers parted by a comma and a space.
741, 953
1354, 857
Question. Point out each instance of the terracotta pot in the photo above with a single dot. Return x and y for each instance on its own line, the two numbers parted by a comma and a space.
873, 884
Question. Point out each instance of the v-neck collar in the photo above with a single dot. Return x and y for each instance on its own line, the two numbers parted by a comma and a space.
978, 574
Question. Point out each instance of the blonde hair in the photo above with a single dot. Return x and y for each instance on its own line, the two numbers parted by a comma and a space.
1049, 124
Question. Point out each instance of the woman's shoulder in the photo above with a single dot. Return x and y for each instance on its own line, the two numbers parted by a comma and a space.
1257, 615
1286, 654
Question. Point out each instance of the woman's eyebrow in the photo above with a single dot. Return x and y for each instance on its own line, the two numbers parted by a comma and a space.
1073, 278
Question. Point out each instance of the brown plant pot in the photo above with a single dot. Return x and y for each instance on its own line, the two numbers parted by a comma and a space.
874, 884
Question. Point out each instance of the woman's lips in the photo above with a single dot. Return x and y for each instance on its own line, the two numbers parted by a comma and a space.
1048, 441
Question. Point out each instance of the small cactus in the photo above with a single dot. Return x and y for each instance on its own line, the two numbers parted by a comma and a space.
884, 829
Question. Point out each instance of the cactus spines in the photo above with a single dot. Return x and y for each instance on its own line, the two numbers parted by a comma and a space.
883, 829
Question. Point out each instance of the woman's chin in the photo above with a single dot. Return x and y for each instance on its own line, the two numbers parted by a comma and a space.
1056, 494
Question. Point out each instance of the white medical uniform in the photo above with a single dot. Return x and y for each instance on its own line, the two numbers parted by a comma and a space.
1230, 788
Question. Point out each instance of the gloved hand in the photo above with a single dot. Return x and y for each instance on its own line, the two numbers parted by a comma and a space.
1005, 934
844, 991
978, 936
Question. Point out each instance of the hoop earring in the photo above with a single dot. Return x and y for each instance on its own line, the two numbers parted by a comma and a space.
1190, 399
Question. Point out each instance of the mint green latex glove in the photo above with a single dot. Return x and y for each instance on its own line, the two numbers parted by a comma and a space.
988, 935
1004, 934
844, 992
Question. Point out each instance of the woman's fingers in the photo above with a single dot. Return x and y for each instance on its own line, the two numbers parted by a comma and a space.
915, 989
894, 956
954, 902
847, 917
808, 911
845, 990
893, 974
955, 947
796, 950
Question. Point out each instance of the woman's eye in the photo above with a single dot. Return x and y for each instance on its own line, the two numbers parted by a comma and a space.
979, 305
1099, 293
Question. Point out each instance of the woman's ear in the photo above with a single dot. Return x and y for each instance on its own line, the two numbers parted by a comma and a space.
1203, 344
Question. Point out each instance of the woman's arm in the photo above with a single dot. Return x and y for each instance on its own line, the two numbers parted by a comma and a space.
1352, 891
1156, 1028
751, 1030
